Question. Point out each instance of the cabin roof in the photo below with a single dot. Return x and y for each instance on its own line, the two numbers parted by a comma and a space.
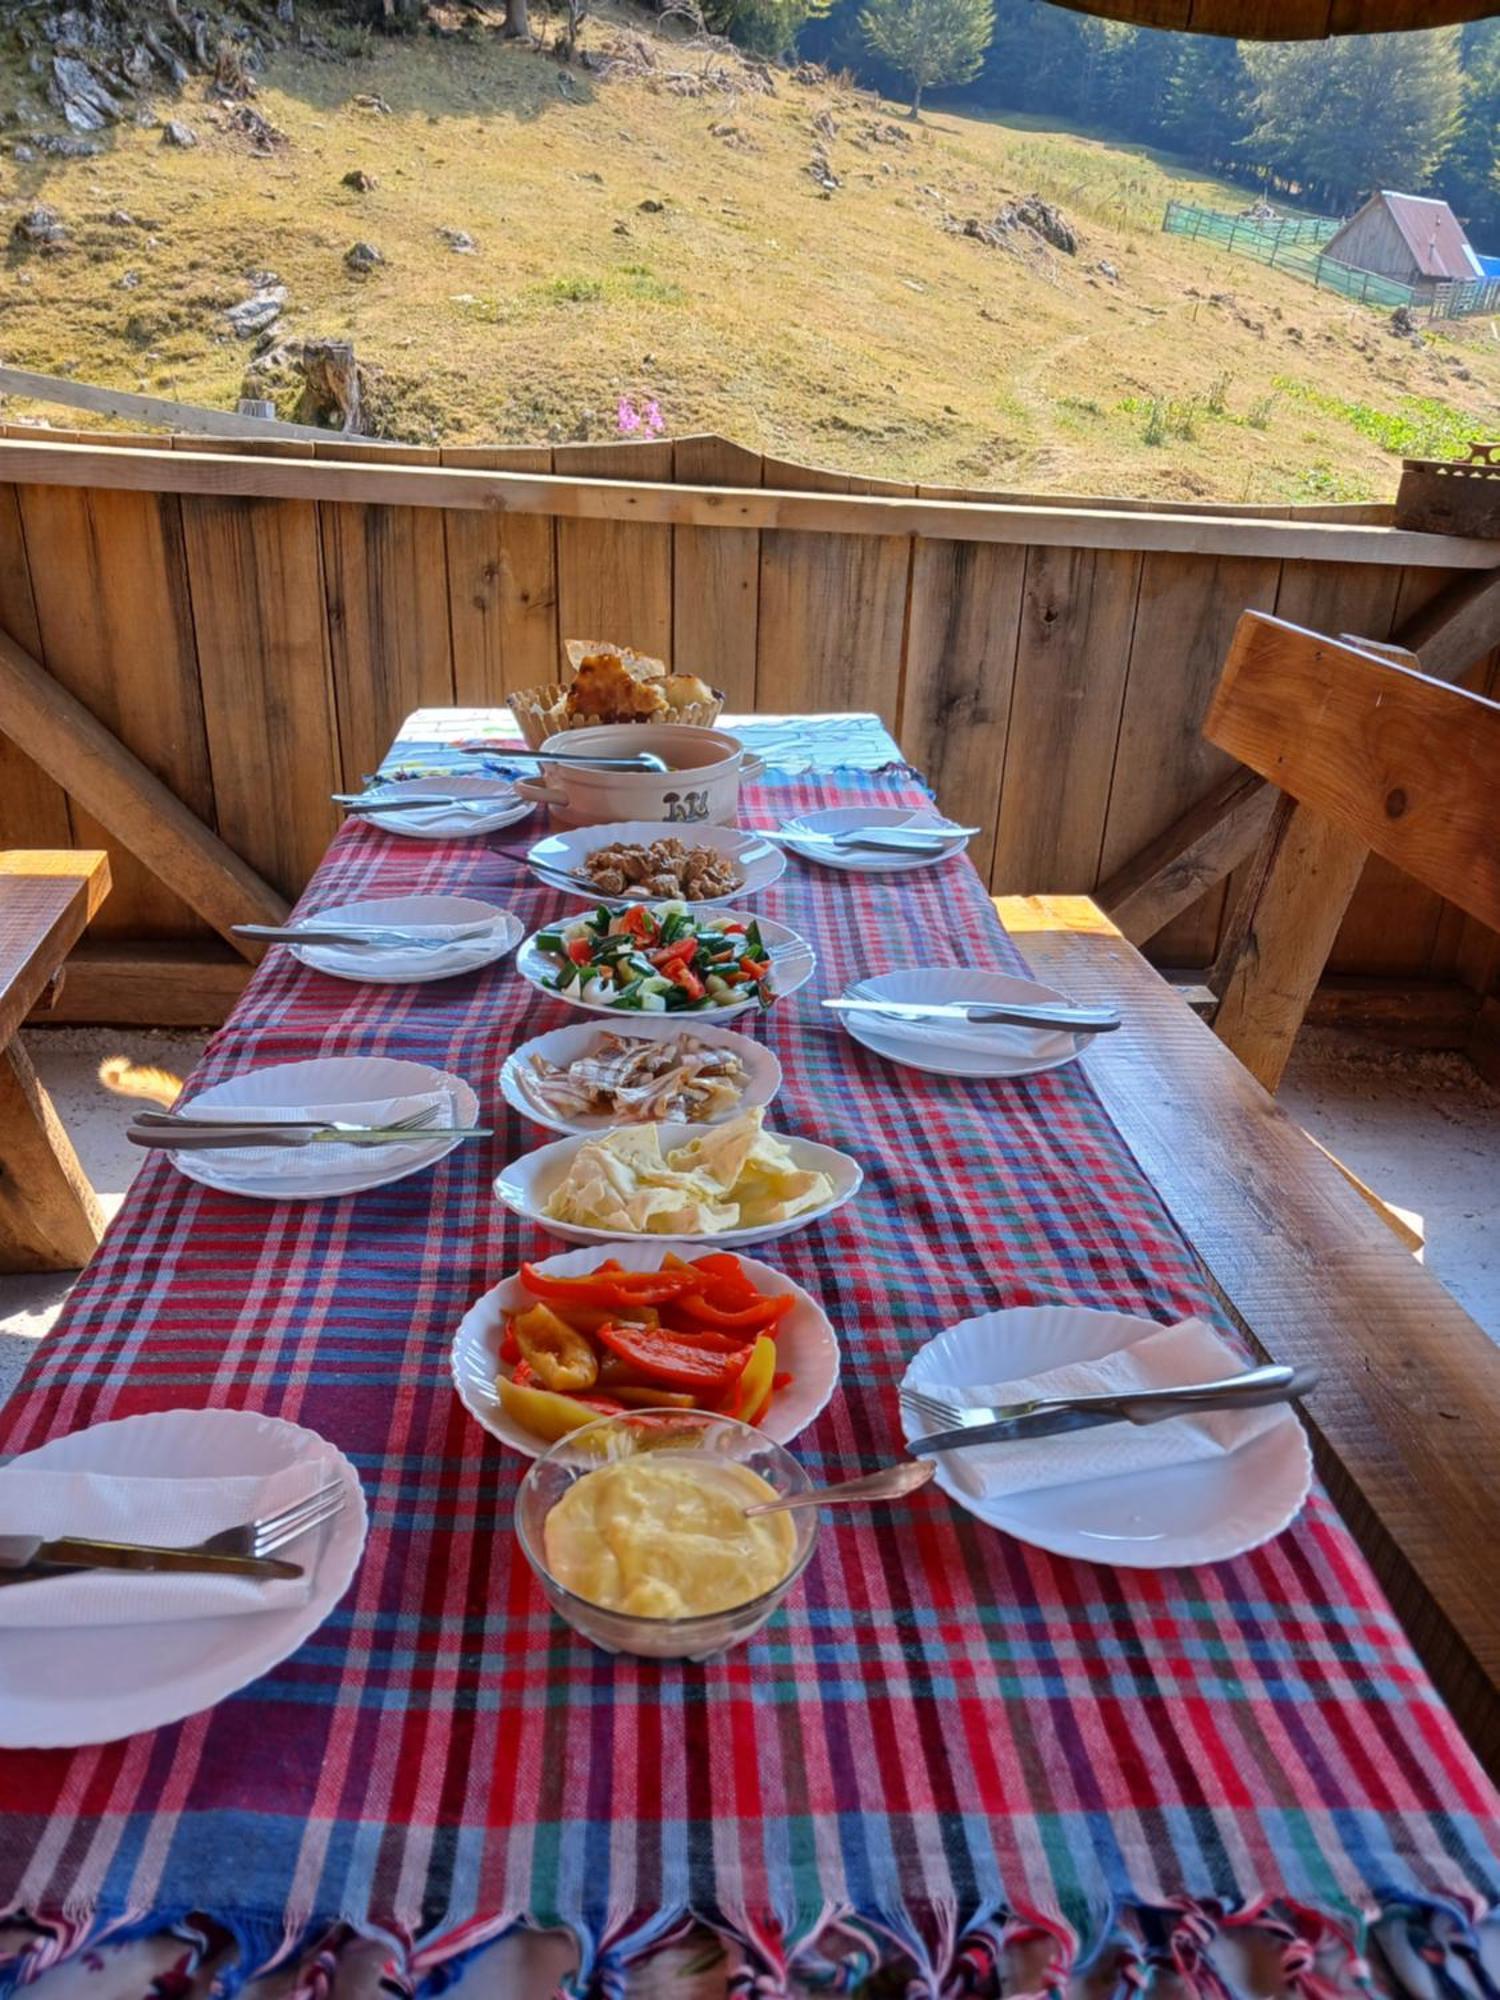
1433, 234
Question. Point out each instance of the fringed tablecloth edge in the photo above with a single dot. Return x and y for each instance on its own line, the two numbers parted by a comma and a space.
1425, 1945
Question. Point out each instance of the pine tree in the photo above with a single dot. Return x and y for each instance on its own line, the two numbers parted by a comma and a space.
1470, 176
930, 41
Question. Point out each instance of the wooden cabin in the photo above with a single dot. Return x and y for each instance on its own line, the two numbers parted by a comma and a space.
1413, 238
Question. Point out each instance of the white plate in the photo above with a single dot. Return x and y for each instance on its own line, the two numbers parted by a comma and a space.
1203, 1512
428, 825
791, 973
325, 1080
394, 968
566, 1045
126, 1678
806, 1344
568, 851
524, 1185
947, 1048
844, 819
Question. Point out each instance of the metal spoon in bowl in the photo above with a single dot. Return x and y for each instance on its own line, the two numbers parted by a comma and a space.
888, 1484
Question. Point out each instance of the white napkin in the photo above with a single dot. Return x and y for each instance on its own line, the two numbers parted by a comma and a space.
461, 952
345, 919
1176, 1355
173, 1512
1025, 1044
292, 1162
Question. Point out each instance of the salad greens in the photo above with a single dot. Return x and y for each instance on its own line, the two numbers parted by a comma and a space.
662, 958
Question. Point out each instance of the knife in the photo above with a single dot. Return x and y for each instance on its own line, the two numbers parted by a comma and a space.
377, 937
1081, 1020
351, 802
184, 1138
1039, 1420
36, 1556
914, 837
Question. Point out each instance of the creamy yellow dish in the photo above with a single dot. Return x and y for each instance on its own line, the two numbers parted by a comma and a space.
664, 1535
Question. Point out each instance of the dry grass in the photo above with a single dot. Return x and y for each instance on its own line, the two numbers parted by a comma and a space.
847, 329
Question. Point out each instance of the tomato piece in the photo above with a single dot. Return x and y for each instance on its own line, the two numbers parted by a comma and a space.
683, 975
755, 968
523, 1374
580, 951
656, 1355
510, 1347
637, 922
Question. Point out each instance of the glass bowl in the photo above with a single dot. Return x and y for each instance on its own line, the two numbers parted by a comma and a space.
688, 1434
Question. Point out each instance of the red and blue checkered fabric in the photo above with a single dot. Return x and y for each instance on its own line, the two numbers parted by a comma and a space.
944, 1741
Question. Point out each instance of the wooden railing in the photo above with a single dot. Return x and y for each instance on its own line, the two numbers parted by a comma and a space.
252, 623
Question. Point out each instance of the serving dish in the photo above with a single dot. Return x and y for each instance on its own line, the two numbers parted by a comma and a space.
758, 862
701, 785
525, 1184
807, 1346
792, 957
566, 1045
688, 1434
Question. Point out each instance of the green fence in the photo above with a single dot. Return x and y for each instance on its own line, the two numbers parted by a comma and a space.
1294, 243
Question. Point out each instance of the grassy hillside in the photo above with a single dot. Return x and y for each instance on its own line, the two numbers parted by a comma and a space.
849, 325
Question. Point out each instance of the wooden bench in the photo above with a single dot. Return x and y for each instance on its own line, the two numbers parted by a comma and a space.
49, 1219
1406, 1420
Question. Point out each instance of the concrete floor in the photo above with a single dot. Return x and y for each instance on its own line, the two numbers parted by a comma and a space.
1422, 1130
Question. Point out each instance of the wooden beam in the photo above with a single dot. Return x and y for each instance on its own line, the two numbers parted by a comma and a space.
1406, 1233
1406, 766
115, 983
57, 732
1429, 1014
46, 898
149, 409
1406, 1420
1459, 626
49, 1218
623, 499
1171, 872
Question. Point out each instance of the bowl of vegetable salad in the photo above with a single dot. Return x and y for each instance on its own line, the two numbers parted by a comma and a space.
667, 958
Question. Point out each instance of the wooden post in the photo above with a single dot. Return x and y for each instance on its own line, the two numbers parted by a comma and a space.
49, 1218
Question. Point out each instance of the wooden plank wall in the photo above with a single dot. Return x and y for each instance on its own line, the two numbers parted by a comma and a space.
250, 649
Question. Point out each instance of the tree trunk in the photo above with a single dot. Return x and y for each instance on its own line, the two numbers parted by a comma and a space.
517, 21
916, 102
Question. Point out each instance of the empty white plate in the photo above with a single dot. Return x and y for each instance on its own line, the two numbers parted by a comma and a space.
390, 967
65, 1688
566, 1045
758, 862
457, 823
792, 970
1202, 1512
524, 1185
343, 1080
949, 1048
863, 861
806, 1346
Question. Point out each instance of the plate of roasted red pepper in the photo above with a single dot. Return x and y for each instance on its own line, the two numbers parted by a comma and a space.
636, 1326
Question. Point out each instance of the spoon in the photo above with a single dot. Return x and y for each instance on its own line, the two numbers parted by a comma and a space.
888, 1484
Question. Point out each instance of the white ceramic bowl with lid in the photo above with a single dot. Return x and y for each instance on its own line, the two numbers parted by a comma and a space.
701, 783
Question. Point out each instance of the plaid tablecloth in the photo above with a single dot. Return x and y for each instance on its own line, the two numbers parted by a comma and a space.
946, 1743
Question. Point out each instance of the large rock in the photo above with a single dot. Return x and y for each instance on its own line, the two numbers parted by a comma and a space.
175, 133
362, 258
261, 310
38, 229
86, 103
1045, 221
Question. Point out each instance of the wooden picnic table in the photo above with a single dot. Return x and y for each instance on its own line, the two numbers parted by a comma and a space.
1406, 1428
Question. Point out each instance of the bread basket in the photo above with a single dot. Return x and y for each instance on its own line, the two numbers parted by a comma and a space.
542, 711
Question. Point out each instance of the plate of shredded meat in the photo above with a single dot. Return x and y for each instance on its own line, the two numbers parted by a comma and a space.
587, 1079
646, 861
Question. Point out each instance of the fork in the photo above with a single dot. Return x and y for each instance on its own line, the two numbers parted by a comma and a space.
273, 1531
1137, 1406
